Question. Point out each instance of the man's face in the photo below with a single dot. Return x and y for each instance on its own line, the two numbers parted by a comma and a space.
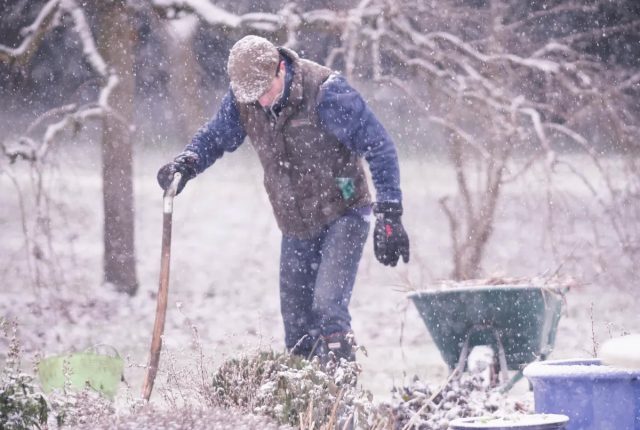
275, 90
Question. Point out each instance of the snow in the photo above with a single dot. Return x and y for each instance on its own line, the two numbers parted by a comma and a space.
512, 422
86, 37
105, 93
545, 66
591, 368
537, 125
622, 352
224, 275
205, 9
266, 22
224, 271
183, 28
476, 287
50, 7
30, 32
77, 116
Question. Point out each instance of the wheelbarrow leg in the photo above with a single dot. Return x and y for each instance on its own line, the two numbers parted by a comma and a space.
502, 358
464, 354
507, 383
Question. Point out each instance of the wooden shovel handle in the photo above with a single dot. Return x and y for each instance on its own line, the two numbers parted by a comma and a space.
163, 289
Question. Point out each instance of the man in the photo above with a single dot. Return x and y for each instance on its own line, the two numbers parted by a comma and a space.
310, 130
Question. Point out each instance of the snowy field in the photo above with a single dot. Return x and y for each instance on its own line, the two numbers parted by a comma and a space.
224, 273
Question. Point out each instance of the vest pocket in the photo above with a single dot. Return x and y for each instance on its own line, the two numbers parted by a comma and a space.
347, 187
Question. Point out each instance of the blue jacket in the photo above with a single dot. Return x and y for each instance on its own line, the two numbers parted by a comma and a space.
342, 112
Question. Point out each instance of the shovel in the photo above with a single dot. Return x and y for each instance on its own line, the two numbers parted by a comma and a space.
163, 289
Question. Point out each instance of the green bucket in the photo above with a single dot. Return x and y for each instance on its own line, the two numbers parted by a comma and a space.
88, 369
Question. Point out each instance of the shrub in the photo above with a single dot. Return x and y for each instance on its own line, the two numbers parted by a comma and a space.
21, 407
309, 396
292, 390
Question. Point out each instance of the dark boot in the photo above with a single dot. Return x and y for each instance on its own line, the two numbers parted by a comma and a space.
337, 346
307, 346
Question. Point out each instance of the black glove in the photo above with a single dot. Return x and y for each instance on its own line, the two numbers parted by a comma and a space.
185, 163
390, 241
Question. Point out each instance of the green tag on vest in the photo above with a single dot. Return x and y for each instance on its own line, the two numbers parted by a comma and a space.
347, 187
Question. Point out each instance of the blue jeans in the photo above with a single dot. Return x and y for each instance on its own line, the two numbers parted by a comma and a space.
316, 280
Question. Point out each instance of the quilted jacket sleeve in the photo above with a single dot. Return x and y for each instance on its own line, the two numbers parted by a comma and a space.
223, 133
344, 113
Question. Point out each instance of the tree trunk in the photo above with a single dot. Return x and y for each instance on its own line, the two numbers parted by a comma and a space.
115, 37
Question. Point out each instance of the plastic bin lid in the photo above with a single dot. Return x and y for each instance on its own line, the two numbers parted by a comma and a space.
512, 422
622, 352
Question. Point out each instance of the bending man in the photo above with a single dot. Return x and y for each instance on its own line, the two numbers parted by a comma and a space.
311, 130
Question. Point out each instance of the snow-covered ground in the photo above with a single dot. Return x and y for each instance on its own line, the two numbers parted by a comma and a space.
224, 272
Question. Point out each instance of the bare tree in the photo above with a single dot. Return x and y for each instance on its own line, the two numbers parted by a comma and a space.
113, 107
477, 71
503, 79
508, 82
108, 44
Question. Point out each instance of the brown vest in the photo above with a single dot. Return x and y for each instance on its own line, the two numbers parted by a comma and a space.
308, 173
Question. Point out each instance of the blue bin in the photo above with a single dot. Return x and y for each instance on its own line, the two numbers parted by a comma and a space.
594, 396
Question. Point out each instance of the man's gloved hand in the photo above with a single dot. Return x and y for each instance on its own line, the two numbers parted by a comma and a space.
390, 241
185, 163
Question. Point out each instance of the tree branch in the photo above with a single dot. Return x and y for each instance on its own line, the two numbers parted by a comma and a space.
33, 35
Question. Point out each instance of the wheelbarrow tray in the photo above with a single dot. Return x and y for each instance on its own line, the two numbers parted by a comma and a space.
525, 318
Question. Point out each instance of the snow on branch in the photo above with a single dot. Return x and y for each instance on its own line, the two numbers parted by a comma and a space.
33, 34
289, 18
492, 87
543, 65
268, 22
493, 90
84, 32
630, 82
568, 7
36, 31
68, 116
538, 127
322, 16
210, 13
552, 47
76, 116
602, 32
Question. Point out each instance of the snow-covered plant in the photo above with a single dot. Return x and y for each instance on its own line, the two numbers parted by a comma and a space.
294, 391
307, 395
186, 418
21, 406
416, 405
78, 408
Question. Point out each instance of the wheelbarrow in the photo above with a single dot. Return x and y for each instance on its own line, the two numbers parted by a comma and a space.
519, 322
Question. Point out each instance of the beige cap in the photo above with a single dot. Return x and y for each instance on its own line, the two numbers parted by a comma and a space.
252, 66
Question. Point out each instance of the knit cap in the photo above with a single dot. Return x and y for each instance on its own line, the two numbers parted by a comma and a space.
252, 66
